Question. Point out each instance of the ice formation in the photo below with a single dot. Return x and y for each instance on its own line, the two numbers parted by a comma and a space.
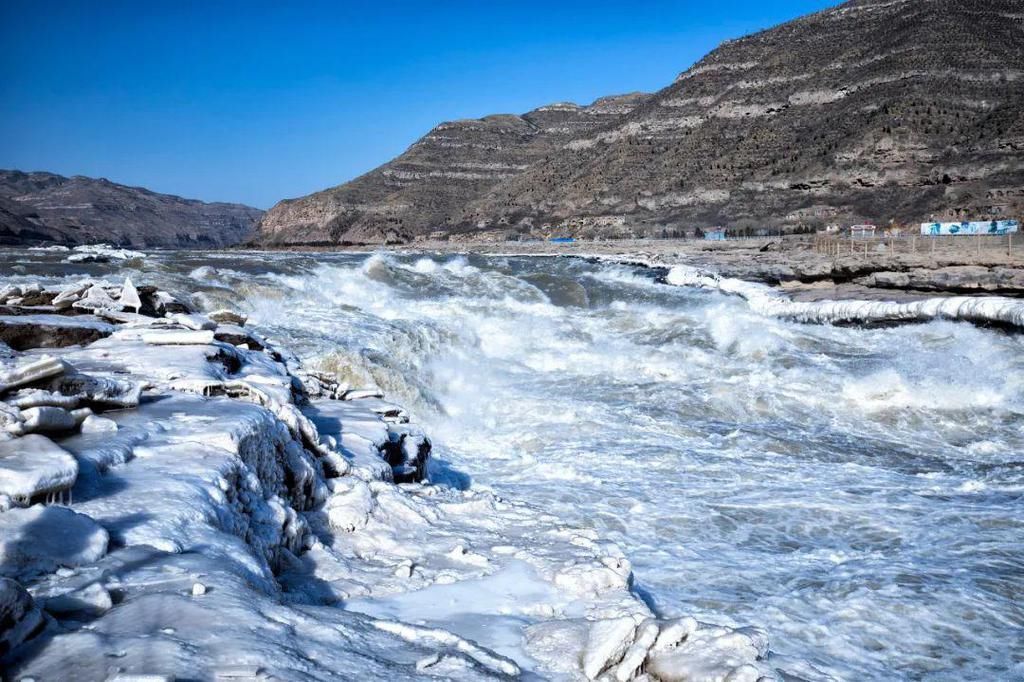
178, 498
766, 301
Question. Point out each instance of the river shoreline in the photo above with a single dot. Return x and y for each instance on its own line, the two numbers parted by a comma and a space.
218, 489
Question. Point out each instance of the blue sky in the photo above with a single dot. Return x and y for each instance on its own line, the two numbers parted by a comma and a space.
260, 101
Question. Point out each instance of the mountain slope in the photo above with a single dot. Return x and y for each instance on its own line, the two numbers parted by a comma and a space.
424, 188
37, 207
874, 110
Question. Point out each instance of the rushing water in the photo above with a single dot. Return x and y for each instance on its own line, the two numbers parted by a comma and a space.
855, 492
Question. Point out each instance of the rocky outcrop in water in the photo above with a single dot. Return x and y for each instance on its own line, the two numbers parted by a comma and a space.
896, 110
44, 207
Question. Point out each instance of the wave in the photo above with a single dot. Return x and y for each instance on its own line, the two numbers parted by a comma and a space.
766, 301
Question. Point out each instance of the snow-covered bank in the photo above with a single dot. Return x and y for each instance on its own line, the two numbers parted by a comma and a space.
180, 499
767, 301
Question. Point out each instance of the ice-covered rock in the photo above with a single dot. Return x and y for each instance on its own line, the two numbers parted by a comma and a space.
30, 372
98, 392
67, 297
9, 291
193, 321
94, 424
34, 465
47, 420
92, 599
767, 301
96, 298
43, 538
229, 317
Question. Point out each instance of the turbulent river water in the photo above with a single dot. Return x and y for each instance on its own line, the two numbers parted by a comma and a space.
855, 492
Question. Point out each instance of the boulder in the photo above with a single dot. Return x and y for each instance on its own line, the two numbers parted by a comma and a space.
20, 618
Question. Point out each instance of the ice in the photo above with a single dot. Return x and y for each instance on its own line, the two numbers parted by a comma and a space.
130, 296
101, 253
30, 372
34, 465
767, 301
661, 443
40, 539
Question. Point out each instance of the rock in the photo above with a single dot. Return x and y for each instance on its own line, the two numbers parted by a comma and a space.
34, 465
42, 538
20, 618
237, 336
50, 331
228, 317
160, 303
8, 292
407, 451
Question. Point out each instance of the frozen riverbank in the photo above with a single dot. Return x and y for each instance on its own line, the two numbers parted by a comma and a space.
179, 498
852, 491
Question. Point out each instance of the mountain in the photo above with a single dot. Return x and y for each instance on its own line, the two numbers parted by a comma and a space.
426, 187
872, 110
44, 207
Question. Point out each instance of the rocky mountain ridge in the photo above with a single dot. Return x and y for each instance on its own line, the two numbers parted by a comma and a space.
43, 207
901, 110
424, 189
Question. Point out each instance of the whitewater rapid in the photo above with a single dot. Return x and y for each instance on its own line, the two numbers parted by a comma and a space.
855, 492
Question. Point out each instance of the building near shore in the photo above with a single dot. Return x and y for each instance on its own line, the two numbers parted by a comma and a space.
862, 231
971, 227
715, 234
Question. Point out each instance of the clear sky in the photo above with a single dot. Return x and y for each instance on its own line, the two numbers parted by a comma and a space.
259, 101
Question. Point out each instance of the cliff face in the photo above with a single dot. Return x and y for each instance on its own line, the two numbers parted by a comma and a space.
427, 187
874, 110
44, 207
